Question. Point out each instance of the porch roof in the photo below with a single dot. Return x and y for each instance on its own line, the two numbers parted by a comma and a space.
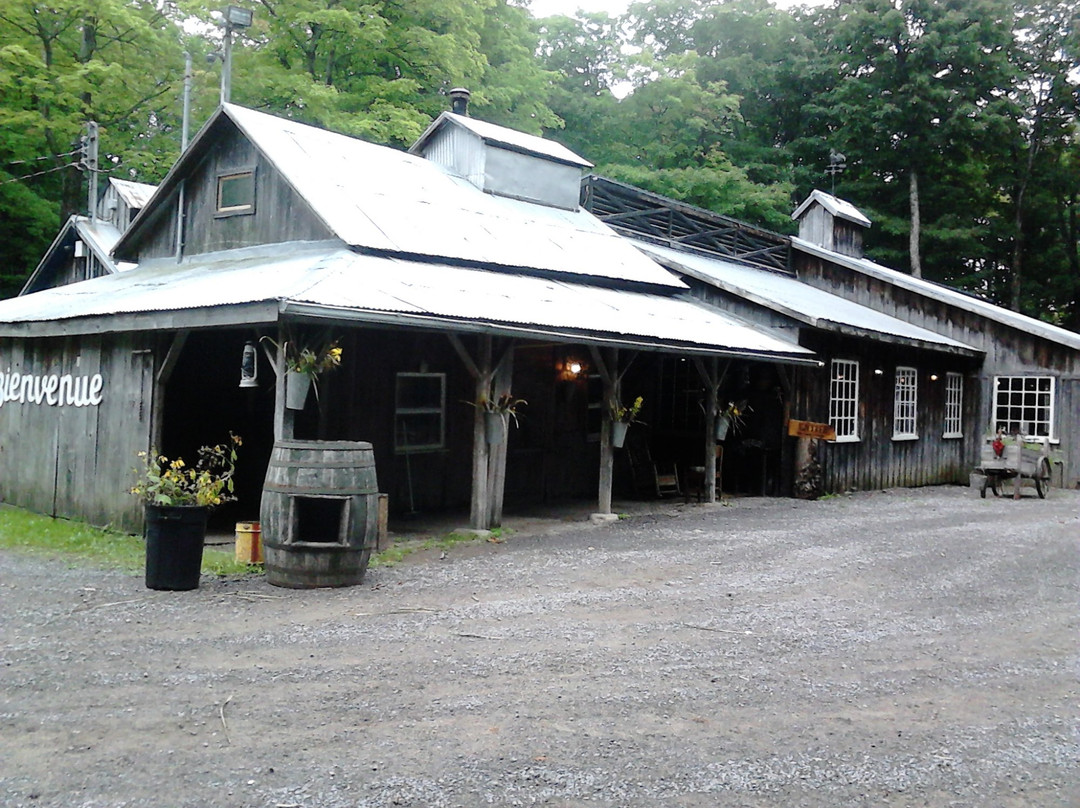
332, 282
802, 302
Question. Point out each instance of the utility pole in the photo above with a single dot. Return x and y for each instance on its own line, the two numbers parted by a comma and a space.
236, 18
185, 125
90, 161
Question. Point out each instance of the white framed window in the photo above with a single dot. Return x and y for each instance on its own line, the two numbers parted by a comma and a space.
420, 412
905, 402
236, 193
1024, 404
954, 406
844, 399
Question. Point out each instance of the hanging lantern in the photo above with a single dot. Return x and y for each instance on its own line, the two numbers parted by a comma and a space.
249, 367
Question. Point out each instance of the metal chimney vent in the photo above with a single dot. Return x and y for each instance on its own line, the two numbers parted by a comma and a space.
459, 100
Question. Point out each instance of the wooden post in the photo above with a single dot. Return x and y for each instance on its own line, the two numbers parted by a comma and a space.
711, 374
284, 418
481, 371
502, 383
607, 364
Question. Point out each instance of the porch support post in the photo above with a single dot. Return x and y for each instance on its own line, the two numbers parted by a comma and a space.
481, 370
502, 382
607, 364
711, 374
284, 418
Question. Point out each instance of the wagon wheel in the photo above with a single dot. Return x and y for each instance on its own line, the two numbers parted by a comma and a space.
1042, 479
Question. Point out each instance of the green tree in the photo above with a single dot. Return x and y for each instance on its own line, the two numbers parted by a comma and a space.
63, 63
917, 98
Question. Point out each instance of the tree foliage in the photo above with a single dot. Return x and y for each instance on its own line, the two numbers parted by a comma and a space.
958, 118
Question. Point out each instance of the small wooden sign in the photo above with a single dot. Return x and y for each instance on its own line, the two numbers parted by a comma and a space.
810, 429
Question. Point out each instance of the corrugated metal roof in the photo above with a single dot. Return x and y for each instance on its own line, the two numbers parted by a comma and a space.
792, 297
135, 194
340, 284
944, 294
836, 206
493, 133
383, 199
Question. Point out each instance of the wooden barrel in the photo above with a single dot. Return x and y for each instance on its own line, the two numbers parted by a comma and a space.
319, 513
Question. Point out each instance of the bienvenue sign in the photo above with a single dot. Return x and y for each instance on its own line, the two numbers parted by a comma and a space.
53, 390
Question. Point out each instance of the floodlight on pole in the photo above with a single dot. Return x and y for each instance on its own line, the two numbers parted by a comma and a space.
236, 19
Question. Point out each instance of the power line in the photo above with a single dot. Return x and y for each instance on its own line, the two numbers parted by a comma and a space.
38, 159
38, 174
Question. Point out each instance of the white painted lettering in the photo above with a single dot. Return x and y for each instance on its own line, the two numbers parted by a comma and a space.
82, 384
51, 389
35, 395
51, 383
96, 384
65, 389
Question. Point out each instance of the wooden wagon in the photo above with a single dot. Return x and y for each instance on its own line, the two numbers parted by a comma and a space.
1015, 462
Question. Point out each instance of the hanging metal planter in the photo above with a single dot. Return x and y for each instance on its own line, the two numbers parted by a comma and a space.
723, 424
618, 433
297, 387
495, 427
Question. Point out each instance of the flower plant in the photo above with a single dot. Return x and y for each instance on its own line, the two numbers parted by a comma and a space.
309, 361
505, 403
734, 412
162, 481
626, 415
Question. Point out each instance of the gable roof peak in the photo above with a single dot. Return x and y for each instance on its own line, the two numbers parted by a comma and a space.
838, 207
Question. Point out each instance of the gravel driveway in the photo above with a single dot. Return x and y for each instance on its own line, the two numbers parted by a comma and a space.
897, 648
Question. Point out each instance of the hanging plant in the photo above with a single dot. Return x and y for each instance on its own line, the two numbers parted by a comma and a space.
626, 415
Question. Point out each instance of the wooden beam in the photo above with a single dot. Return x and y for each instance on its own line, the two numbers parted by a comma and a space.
161, 384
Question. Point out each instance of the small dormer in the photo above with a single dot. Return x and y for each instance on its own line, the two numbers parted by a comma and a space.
504, 162
123, 200
831, 223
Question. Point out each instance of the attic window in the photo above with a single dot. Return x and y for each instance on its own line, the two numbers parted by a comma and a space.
236, 193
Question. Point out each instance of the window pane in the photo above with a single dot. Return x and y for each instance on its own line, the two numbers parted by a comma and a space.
236, 191
1024, 404
419, 420
415, 430
419, 391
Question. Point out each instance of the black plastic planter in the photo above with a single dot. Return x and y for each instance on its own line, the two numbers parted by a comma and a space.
174, 546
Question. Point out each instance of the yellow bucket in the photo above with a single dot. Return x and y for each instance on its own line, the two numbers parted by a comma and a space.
249, 543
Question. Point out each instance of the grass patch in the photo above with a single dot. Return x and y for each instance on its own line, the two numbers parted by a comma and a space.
79, 542
400, 550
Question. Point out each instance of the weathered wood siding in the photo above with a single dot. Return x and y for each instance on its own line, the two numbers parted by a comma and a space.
1009, 351
280, 215
75, 461
876, 460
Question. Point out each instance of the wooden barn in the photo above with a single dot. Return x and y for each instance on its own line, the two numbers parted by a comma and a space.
83, 247
914, 377
1029, 379
449, 276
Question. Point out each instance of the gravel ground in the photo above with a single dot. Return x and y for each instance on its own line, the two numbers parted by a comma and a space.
896, 648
